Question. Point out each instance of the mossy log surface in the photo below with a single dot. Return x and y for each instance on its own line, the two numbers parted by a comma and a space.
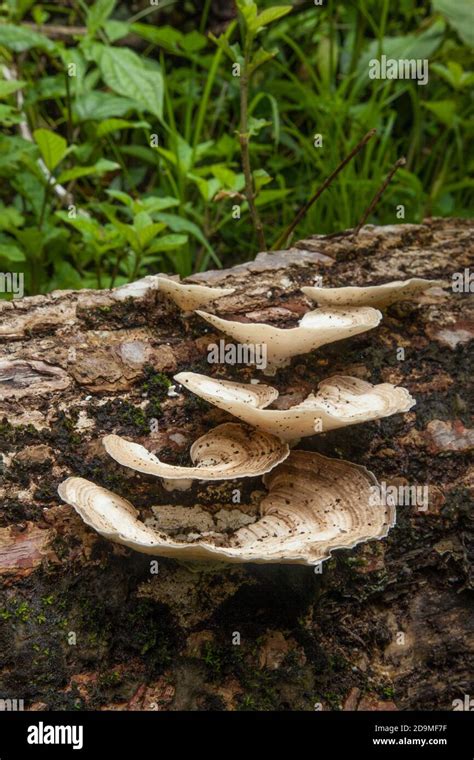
85, 624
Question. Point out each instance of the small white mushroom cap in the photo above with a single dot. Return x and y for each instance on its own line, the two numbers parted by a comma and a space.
315, 505
228, 451
190, 297
370, 295
339, 402
315, 329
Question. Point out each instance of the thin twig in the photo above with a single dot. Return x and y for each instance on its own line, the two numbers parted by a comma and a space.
304, 210
401, 162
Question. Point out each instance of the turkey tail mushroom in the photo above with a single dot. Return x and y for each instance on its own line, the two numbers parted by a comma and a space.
228, 451
314, 506
190, 297
339, 402
317, 328
379, 296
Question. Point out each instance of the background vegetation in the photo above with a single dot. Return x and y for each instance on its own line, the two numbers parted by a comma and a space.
122, 124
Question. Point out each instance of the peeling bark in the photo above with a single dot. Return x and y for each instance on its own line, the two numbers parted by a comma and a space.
87, 624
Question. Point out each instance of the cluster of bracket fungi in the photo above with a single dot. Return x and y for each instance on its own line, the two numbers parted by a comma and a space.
314, 504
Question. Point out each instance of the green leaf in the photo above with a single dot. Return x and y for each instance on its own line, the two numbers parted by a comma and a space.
19, 39
267, 17
178, 224
98, 14
261, 57
11, 252
9, 115
6, 88
10, 217
193, 42
165, 36
167, 243
125, 73
459, 13
98, 106
116, 30
101, 167
444, 110
114, 125
52, 147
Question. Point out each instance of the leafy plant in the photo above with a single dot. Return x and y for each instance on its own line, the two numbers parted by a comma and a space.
159, 142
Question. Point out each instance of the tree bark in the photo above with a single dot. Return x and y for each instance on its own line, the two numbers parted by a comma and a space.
86, 623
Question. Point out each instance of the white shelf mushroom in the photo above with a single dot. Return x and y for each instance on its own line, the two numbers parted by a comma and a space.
339, 402
190, 297
314, 506
228, 451
380, 296
317, 328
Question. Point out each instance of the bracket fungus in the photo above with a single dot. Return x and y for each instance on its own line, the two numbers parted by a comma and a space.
228, 451
190, 297
315, 329
379, 296
314, 505
339, 402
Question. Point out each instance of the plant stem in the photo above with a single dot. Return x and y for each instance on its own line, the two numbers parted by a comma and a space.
244, 150
378, 194
70, 137
304, 210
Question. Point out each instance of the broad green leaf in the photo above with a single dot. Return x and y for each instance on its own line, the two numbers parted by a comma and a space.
124, 198
18, 39
125, 73
52, 147
167, 243
460, 14
268, 16
165, 36
179, 224
10, 217
98, 106
101, 167
153, 204
11, 252
113, 125
116, 30
444, 110
409, 46
98, 14
6, 88
193, 41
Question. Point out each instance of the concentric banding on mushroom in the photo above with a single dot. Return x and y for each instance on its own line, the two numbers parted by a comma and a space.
371, 295
317, 328
228, 451
314, 505
190, 297
339, 402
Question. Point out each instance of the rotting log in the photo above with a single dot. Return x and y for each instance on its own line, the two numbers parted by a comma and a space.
88, 624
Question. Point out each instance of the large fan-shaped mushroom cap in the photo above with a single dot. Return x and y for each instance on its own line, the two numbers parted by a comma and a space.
228, 451
190, 297
316, 328
314, 506
339, 402
380, 296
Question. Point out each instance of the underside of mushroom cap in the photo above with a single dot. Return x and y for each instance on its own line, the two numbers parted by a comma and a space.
190, 297
339, 402
315, 505
370, 295
228, 451
317, 328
